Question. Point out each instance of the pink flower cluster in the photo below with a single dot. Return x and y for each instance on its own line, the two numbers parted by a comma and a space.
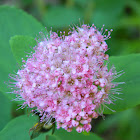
67, 77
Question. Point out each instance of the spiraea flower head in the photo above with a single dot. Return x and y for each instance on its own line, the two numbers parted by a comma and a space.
67, 77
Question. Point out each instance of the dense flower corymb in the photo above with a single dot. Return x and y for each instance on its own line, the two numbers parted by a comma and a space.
67, 77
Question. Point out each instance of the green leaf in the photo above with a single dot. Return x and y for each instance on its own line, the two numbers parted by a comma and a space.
21, 46
62, 134
130, 64
13, 22
114, 120
18, 128
60, 17
5, 107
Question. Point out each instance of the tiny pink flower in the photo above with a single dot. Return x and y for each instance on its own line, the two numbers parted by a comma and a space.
87, 127
67, 77
79, 129
84, 121
75, 123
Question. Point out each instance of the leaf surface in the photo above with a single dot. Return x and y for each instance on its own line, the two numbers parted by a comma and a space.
130, 64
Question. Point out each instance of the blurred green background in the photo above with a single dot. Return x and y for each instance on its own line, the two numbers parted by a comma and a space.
123, 16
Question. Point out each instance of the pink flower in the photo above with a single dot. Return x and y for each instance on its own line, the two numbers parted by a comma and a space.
67, 78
